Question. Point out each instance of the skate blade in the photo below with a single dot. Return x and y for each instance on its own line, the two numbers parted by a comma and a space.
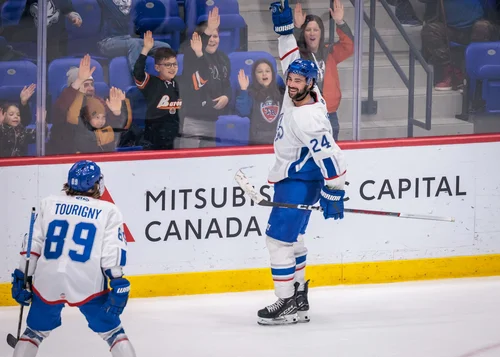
303, 316
285, 320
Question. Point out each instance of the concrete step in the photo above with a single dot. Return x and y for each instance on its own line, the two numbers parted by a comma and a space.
385, 74
398, 128
393, 104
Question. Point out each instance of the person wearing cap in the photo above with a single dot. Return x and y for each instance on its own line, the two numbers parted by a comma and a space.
72, 120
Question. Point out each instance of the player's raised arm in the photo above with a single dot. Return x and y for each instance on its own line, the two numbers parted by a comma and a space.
283, 26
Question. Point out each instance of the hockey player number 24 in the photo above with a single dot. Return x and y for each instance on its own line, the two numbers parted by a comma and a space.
324, 143
83, 234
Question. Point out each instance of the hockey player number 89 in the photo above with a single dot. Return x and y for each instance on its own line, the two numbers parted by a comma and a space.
83, 235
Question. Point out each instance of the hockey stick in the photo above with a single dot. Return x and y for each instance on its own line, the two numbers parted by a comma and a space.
246, 186
11, 340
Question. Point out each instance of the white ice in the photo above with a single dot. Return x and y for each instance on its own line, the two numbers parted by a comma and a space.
446, 318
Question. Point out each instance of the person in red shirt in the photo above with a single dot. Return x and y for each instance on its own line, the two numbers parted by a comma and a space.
310, 34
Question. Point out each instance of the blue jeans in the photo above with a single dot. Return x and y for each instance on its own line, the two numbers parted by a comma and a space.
126, 46
334, 121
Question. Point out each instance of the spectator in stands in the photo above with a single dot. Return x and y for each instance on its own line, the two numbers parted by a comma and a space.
310, 34
68, 126
459, 21
14, 136
115, 31
26, 29
207, 84
161, 93
260, 101
94, 131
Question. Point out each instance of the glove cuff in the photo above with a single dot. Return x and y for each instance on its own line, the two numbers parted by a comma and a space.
284, 29
331, 195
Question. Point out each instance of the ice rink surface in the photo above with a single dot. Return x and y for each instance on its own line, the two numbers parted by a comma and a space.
445, 318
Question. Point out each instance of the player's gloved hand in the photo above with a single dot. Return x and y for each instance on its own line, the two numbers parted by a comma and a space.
332, 202
282, 18
19, 293
118, 297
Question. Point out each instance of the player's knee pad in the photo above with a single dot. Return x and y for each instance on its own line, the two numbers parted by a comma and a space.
281, 253
299, 247
118, 342
282, 259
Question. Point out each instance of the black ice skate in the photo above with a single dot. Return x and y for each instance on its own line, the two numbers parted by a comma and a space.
303, 304
282, 312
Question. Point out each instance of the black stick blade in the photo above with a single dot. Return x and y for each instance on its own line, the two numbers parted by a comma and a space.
11, 340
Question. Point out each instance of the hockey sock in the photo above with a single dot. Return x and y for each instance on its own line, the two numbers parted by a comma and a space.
27, 346
118, 342
282, 267
300, 252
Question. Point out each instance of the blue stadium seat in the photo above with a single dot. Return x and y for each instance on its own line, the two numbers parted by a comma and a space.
232, 38
83, 39
232, 130
160, 17
482, 62
14, 76
17, 73
11, 12
56, 74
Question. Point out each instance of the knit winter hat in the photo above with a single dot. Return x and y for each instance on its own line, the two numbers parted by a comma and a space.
93, 106
72, 75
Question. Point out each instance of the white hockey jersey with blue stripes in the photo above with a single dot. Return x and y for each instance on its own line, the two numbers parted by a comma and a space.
304, 146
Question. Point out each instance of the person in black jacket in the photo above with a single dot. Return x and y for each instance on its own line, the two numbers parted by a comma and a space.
206, 83
161, 93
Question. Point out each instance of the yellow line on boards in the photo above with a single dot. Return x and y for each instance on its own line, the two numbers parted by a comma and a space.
144, 286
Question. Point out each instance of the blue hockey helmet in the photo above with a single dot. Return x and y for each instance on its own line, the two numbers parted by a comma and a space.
305, 68
83, 175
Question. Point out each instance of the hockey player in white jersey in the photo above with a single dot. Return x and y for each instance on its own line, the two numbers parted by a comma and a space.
78, 246
309, 166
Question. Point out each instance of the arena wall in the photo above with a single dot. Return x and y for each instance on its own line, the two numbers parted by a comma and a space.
191, 230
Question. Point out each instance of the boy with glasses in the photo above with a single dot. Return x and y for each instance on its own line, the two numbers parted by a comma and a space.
161, 93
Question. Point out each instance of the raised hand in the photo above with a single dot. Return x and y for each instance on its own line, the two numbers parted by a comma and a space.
243, 80
149, 43
26, 93
197, 45
282, 18
337, 12
75, 18
299, 16
213, 22
114, 102
84, 71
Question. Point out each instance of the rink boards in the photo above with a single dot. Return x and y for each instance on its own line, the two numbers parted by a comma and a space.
191, 230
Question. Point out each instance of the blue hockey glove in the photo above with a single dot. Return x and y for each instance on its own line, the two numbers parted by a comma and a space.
282, 18
19, 293
118, 297
332, 202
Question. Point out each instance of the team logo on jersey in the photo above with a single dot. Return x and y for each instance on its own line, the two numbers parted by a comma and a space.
269, 110
166, 104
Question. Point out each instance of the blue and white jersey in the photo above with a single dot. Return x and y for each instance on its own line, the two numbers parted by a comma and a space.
75, 239
304, 146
